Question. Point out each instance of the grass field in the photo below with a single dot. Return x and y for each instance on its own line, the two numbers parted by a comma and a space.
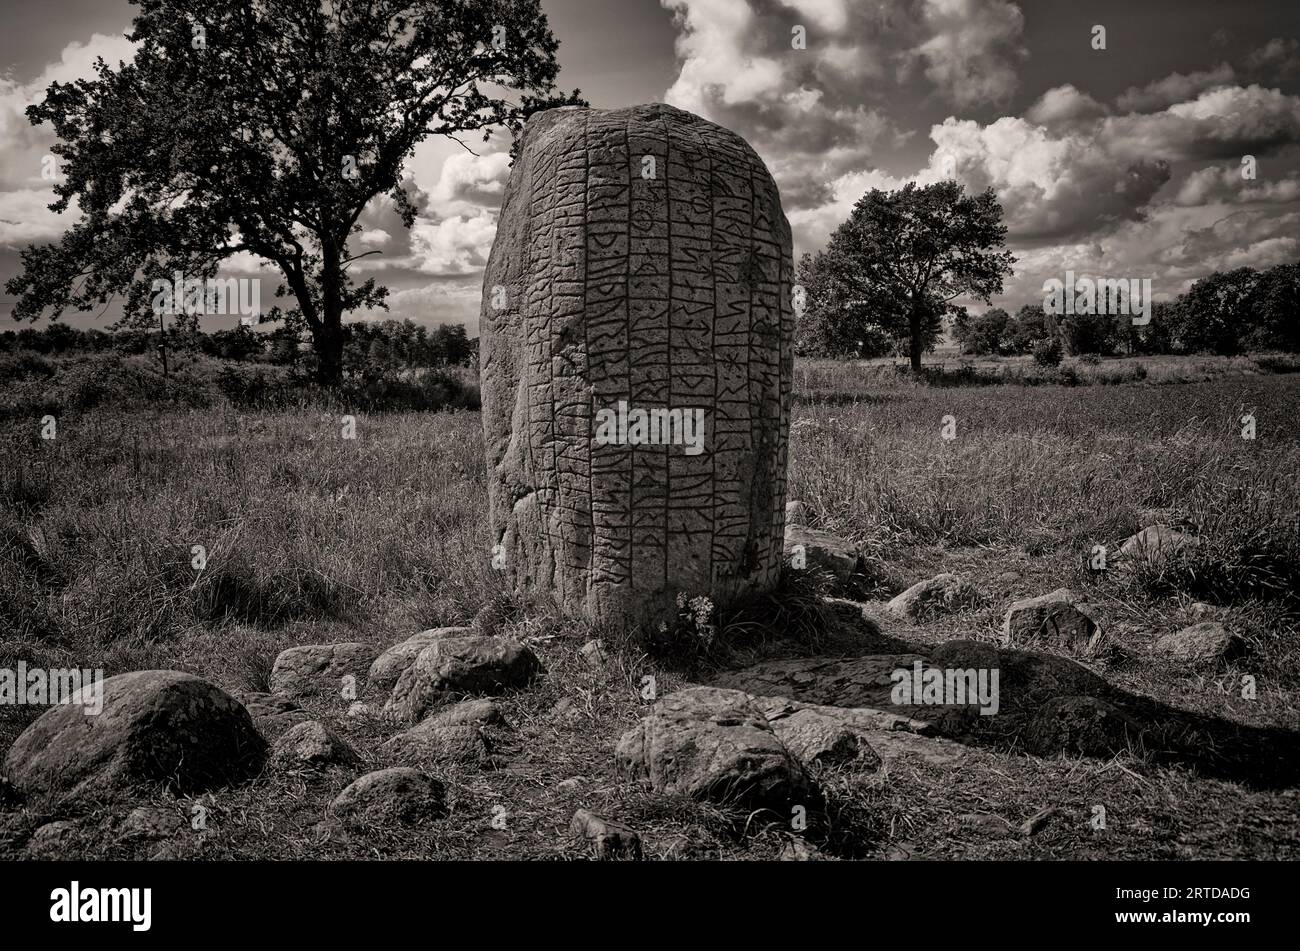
310, 537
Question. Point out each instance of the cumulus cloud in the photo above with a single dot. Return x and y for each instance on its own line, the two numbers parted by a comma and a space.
455, 245
972, 53
1064, 106
827, 104
1174, 88
1279, 58
1225, 122
472, 179
1225, 184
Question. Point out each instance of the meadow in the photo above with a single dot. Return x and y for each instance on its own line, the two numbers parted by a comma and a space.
306, 536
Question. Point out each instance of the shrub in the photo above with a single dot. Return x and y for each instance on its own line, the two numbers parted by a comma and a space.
1048, 353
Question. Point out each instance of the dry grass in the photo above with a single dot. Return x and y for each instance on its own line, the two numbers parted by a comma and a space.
311, 537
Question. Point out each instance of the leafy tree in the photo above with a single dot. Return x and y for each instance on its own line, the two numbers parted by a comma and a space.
1030, 325
985, 334
1155, 336
896, 265
1274, 309
267, 128
1092, 333
1214, 315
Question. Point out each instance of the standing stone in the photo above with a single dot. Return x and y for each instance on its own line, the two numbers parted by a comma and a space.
642, 262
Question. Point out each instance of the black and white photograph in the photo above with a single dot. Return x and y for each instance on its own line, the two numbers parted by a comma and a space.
855, 441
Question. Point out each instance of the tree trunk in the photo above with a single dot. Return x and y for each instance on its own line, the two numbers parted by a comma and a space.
328, 344
914, 341
329, 338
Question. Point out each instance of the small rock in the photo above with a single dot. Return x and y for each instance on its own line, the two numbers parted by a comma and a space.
150, 822
1052, 619
796, 513
1084, 726
798, 850
713, 744
313, 744
1035, 823
460, 665
320, 669
1155, 544
480, 712
271, 714
54, 840
983, 822
940, 594
397, 794
156, 728
823, 550
1207, 642
458, 743
605, 838
593, 652
390, 665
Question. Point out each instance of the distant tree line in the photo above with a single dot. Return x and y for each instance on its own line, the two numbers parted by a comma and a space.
371, 350
1227, 313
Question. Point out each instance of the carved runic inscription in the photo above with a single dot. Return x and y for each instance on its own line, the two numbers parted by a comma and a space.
636, 358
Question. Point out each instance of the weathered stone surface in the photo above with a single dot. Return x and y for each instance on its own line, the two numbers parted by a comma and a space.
455, 742
799, 850
152, 822
882, 735
822, 550
55, 840
480, 712
271, 714
819, 739
1207, 642
312, 744
398, 794
1054, 619
1155, 544
833, 681
605, 838
320, 669
593, 652
1085, 726
157, 727
666, 287
712, 744
942, 593
390, 665
460, 665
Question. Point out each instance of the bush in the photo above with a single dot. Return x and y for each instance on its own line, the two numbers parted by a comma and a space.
1048, 353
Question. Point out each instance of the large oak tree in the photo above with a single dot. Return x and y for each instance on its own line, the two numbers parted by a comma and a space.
894, 268
267, 126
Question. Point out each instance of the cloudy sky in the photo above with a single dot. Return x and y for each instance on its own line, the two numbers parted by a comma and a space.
1123, 162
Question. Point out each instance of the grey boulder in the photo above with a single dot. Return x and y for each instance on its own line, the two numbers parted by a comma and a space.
157, 728
713, 744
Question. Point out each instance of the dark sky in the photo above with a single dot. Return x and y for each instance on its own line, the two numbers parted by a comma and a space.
1120, 162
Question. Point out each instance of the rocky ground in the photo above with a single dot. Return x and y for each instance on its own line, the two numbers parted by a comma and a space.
519, 735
